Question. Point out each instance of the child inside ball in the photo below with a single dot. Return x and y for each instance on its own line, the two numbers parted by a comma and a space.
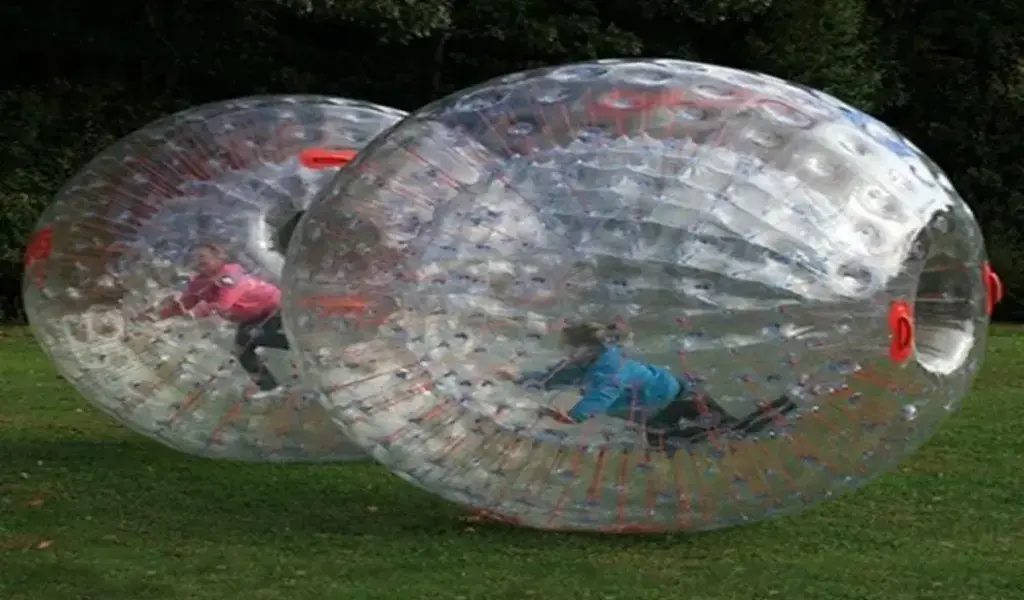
671, 407
224, 288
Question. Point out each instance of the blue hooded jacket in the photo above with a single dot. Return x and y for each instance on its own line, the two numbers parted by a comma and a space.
613, 385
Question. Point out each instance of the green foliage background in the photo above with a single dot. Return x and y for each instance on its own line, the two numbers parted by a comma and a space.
77, 76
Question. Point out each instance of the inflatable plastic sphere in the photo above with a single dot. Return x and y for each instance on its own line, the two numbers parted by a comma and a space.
640, 296
206, 195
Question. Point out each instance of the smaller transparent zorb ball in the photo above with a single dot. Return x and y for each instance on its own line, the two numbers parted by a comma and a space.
120, 244
640, 296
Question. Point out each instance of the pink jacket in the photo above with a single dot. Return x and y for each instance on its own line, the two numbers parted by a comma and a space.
231, 293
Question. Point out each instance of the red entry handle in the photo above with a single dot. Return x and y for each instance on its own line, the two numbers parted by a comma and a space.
40, 247
324, 158
993, 288
901, 325
36, 254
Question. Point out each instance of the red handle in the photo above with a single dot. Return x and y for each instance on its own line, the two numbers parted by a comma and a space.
993, 288
901, 325
324, 158
36, 254
40, 247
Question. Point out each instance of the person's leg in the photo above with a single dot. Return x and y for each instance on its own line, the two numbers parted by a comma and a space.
694, 406
666, 426
702, 413
762, 417
270, 334
249, 337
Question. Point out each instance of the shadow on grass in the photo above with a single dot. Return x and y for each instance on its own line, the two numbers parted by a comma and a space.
60, 581
137, 486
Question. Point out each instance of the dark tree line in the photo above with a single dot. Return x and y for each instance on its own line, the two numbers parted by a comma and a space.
78, 75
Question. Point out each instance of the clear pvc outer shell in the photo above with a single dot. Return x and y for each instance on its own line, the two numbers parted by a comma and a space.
757, 240
117, 241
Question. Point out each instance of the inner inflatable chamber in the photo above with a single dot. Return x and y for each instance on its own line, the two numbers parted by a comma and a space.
749, 234
119, 239
945, 303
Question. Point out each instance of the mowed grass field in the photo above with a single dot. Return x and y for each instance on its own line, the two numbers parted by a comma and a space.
89, 510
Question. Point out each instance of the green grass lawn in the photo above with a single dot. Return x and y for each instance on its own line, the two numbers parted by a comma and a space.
89, 510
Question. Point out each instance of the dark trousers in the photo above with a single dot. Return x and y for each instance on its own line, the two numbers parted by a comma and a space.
265, 333
665, 425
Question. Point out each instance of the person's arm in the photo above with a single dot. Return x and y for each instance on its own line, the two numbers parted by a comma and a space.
178, 307
597, 399
605, 387
564, 374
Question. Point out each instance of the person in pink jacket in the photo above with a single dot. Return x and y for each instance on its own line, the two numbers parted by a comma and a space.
222, 288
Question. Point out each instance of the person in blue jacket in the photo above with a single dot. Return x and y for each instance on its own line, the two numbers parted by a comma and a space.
616, 385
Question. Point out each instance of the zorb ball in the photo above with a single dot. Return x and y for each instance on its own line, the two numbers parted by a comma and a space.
779, 297
120, 242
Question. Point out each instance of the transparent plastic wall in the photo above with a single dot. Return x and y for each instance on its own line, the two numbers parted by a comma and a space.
119, 244
640, 296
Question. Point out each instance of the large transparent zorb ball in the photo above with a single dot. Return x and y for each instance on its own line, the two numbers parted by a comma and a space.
788, 297
120, 242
